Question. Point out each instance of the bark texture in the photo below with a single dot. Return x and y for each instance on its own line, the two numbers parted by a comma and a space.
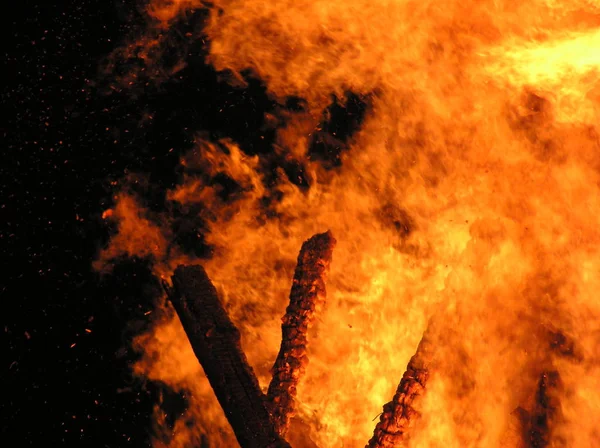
545, 410
216, 343
399, 415
307, 294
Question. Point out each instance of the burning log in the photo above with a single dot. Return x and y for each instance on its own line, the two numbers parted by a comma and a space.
399, 414
545, 410
536, 425
216, 343
308, 292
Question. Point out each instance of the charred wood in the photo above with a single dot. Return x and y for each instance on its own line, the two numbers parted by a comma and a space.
545, 410
308, 293
400, 414
536, 423
216, 343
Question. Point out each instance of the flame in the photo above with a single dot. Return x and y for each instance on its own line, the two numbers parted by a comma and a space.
470, 193
137, 235
164, 11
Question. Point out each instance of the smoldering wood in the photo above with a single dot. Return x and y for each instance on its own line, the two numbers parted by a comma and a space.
536, 424
400, 414
545, 411
307, 294
216, 343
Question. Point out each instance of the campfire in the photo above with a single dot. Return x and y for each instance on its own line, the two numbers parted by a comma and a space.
263, 421
463, 205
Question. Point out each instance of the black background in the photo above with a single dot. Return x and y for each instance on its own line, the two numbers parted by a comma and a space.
63, 385
70, 129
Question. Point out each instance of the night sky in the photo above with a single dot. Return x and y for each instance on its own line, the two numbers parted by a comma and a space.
72, 127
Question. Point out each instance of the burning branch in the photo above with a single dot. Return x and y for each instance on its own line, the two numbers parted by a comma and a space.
216, 343
545, 410
399, 414
536, 425
308, 292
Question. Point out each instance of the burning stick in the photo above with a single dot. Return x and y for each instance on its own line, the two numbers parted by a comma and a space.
399, 414
536, 426
216, 344
308, 291
546, 408
546, 411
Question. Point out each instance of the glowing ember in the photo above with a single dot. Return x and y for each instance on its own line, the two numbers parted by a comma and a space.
471, 191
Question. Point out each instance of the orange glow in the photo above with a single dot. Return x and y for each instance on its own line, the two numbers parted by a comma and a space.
481, 137
166, 10
137, 235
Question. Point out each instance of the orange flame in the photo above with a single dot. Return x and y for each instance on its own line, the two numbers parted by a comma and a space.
471, 192
137, 235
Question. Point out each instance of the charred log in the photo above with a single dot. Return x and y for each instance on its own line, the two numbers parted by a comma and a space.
308, 292
545, 411
216, 343
399, 415
535, 422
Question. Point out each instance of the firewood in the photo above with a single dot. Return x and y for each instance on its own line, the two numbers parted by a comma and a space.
545, 411
308, 292
399, 415
216, 343
536, 424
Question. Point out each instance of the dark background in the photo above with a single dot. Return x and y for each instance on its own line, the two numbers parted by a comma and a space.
66, 380
72, 126
66, 135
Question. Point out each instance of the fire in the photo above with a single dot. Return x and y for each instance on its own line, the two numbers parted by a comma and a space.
469, 197
137, 235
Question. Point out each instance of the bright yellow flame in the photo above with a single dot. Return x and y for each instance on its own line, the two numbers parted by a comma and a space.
565, 68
